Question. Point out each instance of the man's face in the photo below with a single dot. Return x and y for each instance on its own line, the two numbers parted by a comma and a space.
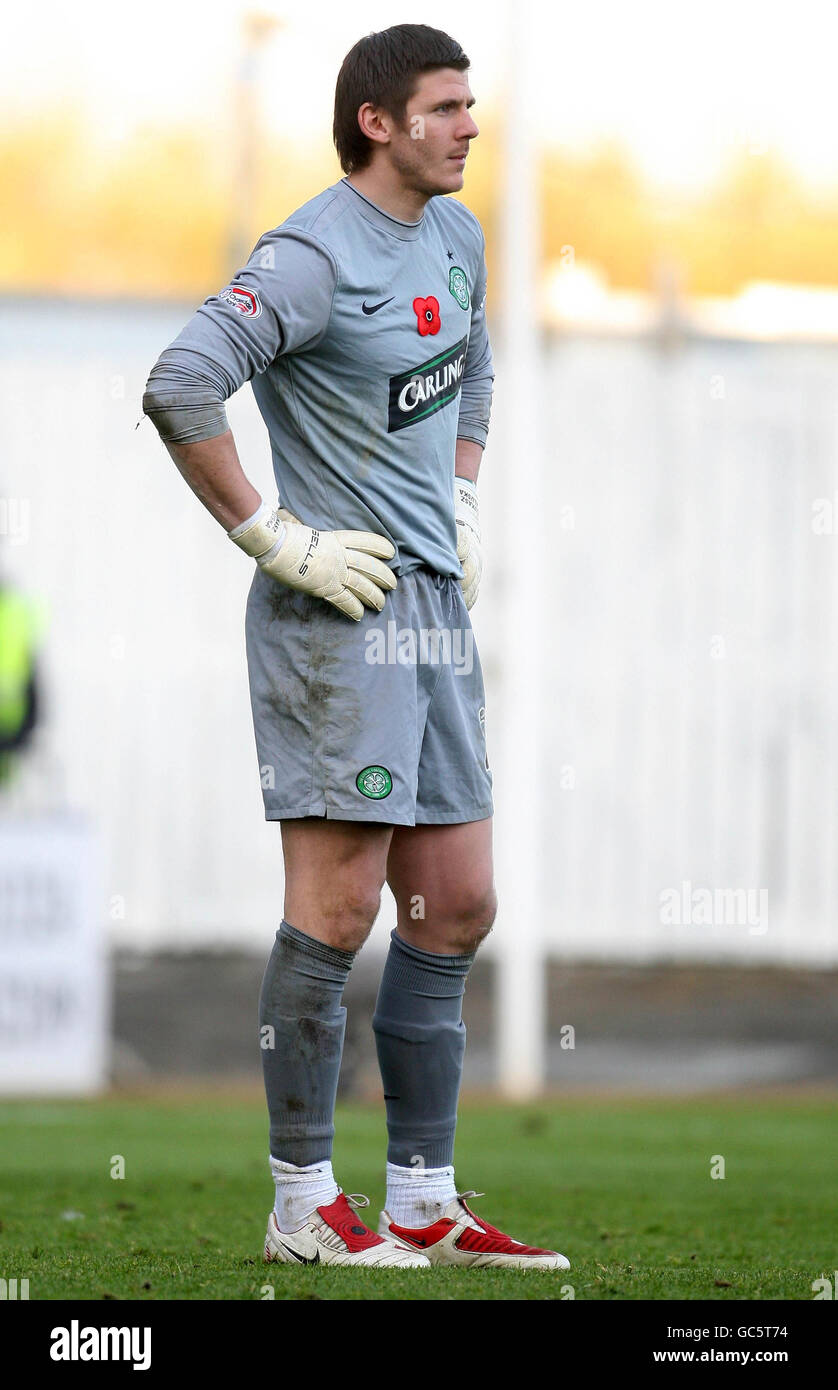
429, 149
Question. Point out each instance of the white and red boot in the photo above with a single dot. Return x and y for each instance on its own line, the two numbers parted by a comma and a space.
335, 1235
459, 1237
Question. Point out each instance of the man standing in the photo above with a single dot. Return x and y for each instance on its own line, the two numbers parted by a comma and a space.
361, 324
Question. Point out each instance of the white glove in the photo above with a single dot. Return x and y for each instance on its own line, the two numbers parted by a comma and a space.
338, 566
467, 514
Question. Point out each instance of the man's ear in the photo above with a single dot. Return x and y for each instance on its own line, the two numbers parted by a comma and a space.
375, 123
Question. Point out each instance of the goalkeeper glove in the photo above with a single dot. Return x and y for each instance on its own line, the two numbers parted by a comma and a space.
467, 515
338, 566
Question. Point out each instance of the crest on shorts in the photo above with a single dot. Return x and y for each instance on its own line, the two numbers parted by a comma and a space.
374, 782
246, 302
458, 285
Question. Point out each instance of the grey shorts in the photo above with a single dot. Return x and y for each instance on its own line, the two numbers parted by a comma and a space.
380, 720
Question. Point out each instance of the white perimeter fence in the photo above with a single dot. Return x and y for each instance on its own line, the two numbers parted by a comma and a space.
689, 774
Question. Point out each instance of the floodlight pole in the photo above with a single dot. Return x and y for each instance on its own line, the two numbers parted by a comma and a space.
522, 803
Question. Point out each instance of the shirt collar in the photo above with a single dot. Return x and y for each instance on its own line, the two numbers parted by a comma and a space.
405, 231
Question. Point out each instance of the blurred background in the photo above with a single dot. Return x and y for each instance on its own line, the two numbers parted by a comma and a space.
659, 189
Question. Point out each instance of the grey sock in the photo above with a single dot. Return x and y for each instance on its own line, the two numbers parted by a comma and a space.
421, 1039
300, 1004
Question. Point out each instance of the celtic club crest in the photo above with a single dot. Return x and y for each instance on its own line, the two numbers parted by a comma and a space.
374, 782
458, 285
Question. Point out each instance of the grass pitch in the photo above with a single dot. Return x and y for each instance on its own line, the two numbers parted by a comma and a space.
623, 1188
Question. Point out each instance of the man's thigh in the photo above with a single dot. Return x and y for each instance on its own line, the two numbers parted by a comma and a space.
334, 873
442, 879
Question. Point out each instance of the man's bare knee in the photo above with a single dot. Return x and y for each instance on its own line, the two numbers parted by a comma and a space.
349, 914
474, 921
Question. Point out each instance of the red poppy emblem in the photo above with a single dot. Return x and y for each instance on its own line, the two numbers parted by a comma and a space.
427, 314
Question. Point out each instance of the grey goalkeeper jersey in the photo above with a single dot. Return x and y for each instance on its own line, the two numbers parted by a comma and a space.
365, 340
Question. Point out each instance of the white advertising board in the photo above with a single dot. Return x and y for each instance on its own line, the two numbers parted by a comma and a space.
53, 973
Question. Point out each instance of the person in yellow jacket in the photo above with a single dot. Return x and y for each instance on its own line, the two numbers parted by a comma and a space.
18, 680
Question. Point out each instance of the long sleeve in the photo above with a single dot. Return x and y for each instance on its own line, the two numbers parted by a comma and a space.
478, 373
279, 303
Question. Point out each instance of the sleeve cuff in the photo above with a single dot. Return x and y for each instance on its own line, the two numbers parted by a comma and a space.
477, 433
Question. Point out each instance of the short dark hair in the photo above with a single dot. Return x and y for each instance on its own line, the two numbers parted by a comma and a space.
384, 68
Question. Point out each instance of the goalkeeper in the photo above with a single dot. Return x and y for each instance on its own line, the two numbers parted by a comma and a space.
360, 323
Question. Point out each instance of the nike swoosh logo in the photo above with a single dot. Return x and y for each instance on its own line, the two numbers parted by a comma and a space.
301, 1259
374, 308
